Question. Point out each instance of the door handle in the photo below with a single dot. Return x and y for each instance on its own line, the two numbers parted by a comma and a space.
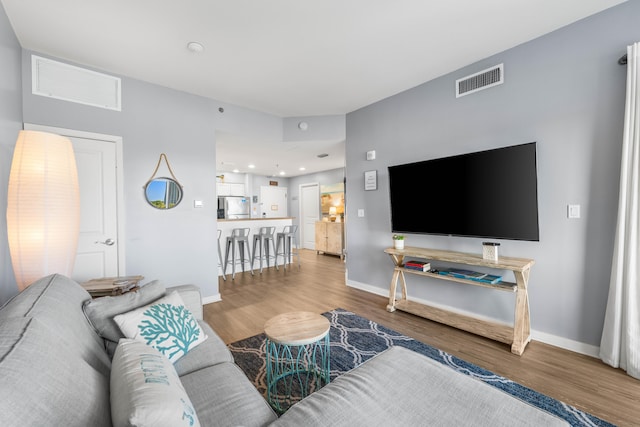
108, 242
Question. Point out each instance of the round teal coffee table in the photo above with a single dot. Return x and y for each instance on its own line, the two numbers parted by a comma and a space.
297, 348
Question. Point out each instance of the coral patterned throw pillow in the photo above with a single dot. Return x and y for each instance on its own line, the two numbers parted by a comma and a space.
165, 324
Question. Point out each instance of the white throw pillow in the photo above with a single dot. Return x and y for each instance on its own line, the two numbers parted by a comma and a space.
165, 325
146, 390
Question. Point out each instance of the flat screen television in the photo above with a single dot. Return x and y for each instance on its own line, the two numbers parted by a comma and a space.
488, 194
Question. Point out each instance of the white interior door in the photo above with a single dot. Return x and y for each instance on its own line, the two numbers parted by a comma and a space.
273, 201
97, 156
97, 254
309, 214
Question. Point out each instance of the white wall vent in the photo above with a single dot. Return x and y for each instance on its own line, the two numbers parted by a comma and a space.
63, 81
482, 80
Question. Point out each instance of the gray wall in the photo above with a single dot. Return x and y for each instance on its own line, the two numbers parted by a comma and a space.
564, 90
257, 181
171, 246
175, 246
329, 177
10, 125
292, 184
167, 245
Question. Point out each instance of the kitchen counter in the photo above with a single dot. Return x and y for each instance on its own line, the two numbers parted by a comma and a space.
254, 224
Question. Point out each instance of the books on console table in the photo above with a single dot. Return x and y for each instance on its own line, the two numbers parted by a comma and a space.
417, 265
471, 275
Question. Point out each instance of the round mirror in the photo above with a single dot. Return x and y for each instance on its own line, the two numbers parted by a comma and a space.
163, 193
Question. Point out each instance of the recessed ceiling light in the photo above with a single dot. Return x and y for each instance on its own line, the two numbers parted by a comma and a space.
195, 47
252, 166
302, 168
303, 126
236, 170
283, 173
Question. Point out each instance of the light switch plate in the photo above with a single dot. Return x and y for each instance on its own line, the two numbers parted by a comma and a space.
573, 211
360, 213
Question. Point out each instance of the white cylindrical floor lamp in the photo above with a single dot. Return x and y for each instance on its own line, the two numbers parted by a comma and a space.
43, 207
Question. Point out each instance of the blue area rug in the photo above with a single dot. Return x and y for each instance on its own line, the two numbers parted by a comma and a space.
355, 339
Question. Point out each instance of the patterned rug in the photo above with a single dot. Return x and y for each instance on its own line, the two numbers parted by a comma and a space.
355, 339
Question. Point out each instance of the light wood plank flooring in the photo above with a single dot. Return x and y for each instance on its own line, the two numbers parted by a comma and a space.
319, 286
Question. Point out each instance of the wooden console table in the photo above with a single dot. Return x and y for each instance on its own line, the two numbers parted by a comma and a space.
517, 336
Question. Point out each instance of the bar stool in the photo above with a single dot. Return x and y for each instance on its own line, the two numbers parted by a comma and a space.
264, 236
220, 263
239, 238
288, 239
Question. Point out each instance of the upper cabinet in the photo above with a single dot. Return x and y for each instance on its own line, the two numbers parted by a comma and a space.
230, 189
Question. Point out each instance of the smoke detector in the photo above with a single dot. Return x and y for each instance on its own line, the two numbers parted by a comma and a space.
195, 47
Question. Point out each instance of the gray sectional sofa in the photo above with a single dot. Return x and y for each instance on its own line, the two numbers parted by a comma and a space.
60, 366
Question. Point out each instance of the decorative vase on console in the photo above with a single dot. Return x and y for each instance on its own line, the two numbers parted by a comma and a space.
398, 241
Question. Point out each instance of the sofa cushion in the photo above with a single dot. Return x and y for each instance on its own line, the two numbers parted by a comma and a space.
146, 390
165, 324
101, 311
404, 388
192, 298
55, 301
210, 352
46, 382
223, 396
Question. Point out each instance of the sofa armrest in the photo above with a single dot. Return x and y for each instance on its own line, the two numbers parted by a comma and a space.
192, 298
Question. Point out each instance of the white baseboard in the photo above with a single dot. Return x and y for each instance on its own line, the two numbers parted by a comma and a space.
368, 288
567, 344
554, 340
212, 298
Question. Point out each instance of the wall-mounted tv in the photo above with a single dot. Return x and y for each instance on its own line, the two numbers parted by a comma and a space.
488, 194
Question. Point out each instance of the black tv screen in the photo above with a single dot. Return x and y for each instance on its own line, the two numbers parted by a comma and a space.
490, 194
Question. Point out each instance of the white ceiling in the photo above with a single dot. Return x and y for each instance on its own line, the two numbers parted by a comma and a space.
288, 58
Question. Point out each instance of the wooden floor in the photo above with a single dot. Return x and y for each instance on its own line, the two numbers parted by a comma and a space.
319, 286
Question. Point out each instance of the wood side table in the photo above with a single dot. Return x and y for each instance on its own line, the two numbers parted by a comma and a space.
111, 286
297, 348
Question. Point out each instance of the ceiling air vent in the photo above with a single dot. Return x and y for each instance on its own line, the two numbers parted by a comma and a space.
482, 80
58, 80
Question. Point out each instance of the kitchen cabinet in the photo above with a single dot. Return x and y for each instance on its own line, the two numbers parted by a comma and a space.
230, 189
330, 237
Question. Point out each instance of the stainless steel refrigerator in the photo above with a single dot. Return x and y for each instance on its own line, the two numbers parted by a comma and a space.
234, 207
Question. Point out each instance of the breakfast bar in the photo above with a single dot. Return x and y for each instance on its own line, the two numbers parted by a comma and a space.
254, 224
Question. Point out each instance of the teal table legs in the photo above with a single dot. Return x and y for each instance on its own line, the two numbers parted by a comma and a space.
295, 371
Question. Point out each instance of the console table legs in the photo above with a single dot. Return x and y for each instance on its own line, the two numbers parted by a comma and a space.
397, 275
522, 322
517, 336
